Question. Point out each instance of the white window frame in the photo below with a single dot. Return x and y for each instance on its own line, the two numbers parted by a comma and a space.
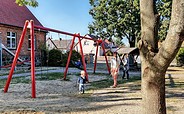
29, 42
11, 37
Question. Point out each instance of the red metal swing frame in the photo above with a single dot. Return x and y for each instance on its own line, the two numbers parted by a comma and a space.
32, 27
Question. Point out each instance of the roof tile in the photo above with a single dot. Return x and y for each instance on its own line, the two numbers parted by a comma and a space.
12, 14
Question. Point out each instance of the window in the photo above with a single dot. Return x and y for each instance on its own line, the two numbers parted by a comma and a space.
11, 40
86, 42
29, 42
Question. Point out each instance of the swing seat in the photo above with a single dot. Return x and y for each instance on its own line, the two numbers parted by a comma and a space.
79, 66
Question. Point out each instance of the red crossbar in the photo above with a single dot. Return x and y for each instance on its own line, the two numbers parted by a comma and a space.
66, 33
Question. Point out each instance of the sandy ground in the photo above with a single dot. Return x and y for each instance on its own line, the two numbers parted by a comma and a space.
58, 96
62, 97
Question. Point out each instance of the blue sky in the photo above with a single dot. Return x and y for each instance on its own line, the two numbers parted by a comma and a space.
65, 15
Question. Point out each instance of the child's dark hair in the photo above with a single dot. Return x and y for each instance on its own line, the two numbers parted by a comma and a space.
115, 52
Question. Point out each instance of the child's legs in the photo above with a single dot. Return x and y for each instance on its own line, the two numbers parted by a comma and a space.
123, 74
115, 79
127, 74
80, 87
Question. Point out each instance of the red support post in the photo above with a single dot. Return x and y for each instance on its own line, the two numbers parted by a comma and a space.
69, 56
83, 59
103, 47
32, 59
16, 56
95, 58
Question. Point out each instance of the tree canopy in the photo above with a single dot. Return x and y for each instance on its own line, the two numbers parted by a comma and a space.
164, 10
121, 18
32, 3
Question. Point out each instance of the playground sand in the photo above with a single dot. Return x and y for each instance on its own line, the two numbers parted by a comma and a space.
62, 97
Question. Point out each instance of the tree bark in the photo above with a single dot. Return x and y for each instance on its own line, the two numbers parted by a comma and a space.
153, 91
155, 64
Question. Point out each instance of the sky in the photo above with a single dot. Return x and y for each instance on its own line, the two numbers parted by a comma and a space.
66, 15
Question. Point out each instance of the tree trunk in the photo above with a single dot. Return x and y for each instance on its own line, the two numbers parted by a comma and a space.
132, 40
153, 91
132, 44
154, 64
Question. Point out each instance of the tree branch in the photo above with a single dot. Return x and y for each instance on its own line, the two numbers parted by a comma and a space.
147, 21
174, 37
149, 31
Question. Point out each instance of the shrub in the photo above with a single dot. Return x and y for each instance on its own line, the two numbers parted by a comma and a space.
44, 56
54, 58
74, 57
180, 57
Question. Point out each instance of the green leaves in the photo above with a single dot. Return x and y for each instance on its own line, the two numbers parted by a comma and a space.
32, 3
164, 9
114, 18
121, 18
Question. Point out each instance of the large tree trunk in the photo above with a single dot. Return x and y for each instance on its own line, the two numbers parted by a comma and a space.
155, 63
153, 91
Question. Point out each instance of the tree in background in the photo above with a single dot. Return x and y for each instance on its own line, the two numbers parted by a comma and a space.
115, 18
180, 57
118, 42
121, 19
164, 10
155, 62
55, 57
32, 3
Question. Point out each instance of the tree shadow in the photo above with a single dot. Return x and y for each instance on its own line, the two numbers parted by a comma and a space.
123, 99
174, 88
171, 80
174, 94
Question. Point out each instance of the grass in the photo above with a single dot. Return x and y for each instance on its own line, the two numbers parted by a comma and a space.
50, 76
101, 84
171, 108
24, 70
106, 83
14, 81
15, 72
27, 79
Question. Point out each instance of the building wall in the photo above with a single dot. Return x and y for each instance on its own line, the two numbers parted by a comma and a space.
25, 51
88, 47
49, 44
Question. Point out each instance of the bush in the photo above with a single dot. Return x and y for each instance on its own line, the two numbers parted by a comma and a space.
44, 56
180, 57
54, 57
74, 57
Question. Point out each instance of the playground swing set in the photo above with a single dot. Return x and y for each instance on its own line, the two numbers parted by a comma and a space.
31, 26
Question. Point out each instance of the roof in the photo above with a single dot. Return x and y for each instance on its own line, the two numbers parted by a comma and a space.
62, 44
49, 39
132, 50
14, 15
